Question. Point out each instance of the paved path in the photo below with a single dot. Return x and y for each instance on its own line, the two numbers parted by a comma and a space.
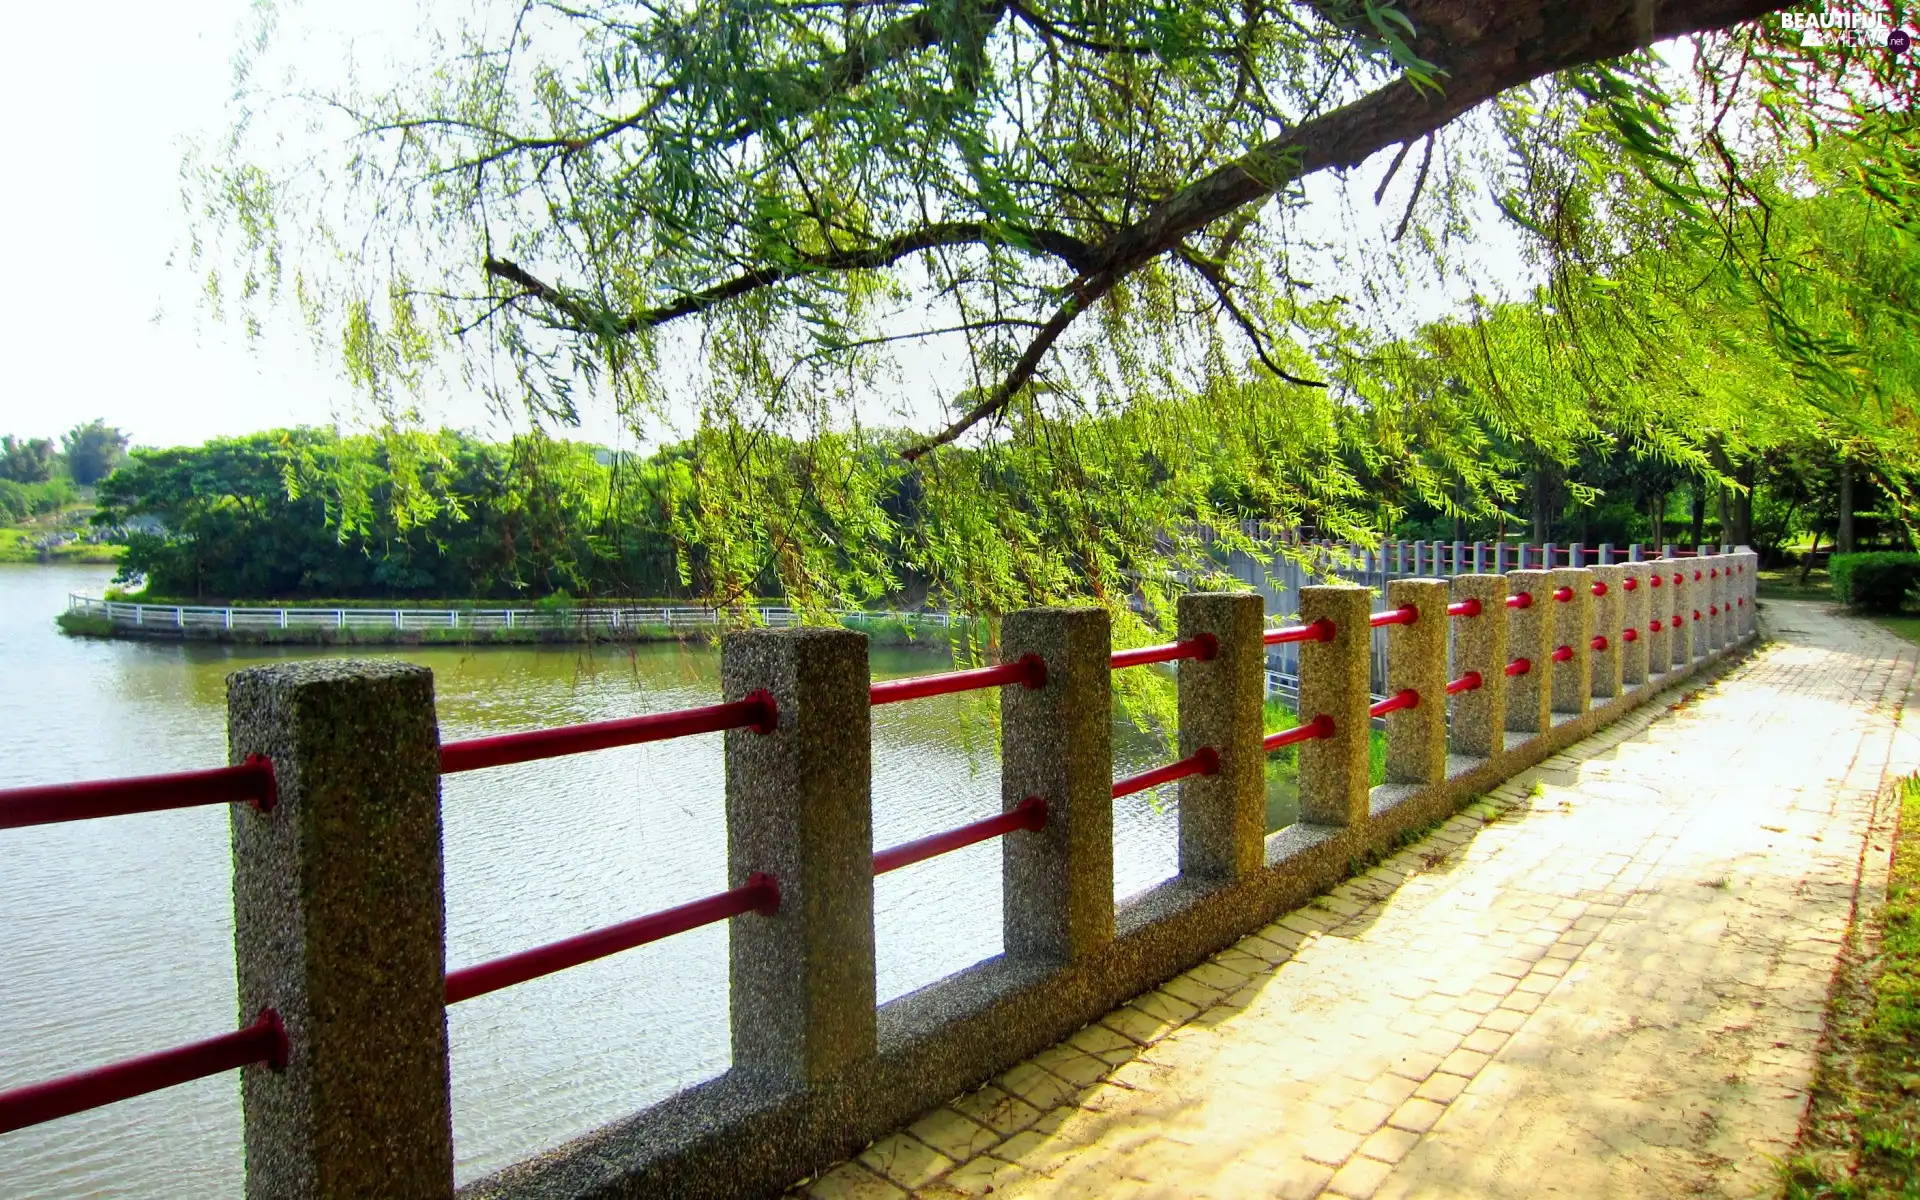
1606, 980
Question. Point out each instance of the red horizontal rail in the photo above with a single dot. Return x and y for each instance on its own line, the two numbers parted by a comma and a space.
1678, 578
1654, 626
1599, 587
1632, 584
1200, 649
760, 894
1320, 727
1030, 813
757, 712
1713, 574
1466, 683
1470, 607
1599, 641
1743, 602
251, 782
1696, 576
1523, 600
1204, 761
1030, 672
1563, 654
1655, 581
1406, 614
1319, 631
1629, 634
1404, 698
1563, 594
264, 1041
1519, 666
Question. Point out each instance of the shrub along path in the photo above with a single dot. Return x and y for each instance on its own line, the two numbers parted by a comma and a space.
1608, 979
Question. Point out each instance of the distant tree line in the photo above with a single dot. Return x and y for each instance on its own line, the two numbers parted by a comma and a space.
38, 477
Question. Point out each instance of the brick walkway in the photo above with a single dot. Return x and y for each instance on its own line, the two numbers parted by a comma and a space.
1605, 980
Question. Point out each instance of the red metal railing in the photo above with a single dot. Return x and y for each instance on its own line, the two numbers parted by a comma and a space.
1654, 581
1599, 587
1599, 642
1319, 631
1201, 649
1402, 699
1320, 727
1654, 626
757, 712
1519, 667
1563, 654
1470, 607
251, 782
1466, 683
1632, 584
264, 1041
1629, 634
1563, 594
1696, 614
1030, 672
1204, 761
1030, 813
1522, 600
1406, 614
760, 894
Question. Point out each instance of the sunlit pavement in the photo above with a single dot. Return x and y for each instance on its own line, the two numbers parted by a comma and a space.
1606, 980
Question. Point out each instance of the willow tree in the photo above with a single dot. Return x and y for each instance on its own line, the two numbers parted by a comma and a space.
1089, 221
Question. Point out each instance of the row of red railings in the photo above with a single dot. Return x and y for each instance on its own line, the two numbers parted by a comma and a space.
253, 782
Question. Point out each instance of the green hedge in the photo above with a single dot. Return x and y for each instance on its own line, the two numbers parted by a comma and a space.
1879, 582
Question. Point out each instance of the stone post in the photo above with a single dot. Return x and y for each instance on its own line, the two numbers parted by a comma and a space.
1057, 743
1479, 558
1609, 622
1634, 608
1417, 659
1573, 628
1749, 591
340, 927
1480, 644
1529, 630
800, 808
1659, 585
1223, 816
1334, 676
1723, 600
1680, 634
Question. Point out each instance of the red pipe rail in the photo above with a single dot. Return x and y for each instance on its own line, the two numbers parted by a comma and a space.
1319, 631
1030, 672
757, 712
1405, 698
760, 894
1030, 813
1696, 614
1599, 642
1469, 682
1523, 600
1654, 581
1406, 614
1563, 654
1470, 607
1654, 626
1519, 667
1629, 634
1201, 649
1599, 587
1204, 761
1632, 584
1563, 594
264, 1041
251, 782
1312, 731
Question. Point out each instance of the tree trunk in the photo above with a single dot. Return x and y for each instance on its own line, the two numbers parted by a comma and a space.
1699, 511
1843, 535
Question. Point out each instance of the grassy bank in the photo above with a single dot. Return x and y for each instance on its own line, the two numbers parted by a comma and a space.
17, 546
1784, 584
1861, 1140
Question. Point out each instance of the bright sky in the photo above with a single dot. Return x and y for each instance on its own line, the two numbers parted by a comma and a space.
100, 317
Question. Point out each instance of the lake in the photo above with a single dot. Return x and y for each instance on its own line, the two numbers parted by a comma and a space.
116, 935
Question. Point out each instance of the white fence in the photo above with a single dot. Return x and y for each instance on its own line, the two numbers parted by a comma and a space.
610, 618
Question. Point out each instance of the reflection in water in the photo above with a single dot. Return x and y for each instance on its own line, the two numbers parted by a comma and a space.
116, 935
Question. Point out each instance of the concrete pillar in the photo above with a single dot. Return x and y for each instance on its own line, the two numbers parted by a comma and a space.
1723, 600
1333, 683
1573, 628
800, 808
1680, 599
1633, 615
1500, 558
1479, 558
1659, 585
1223, 817
1530, 696
1417, 659
1480, 644
1609, 622
1458, 565
1057, 744
1607, 556
340, 927
1749, 590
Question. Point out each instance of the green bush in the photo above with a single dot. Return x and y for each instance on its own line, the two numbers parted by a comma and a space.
1879, 582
